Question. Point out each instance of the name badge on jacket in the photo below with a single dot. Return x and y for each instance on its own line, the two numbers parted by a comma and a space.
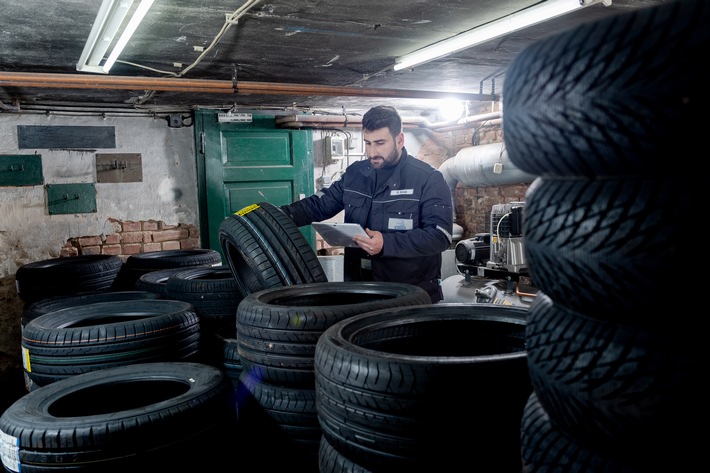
400, 224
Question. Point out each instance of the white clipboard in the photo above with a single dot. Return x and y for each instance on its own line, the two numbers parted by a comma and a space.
339, 234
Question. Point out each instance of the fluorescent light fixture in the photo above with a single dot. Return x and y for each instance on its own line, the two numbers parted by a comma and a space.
108, 23
516, 21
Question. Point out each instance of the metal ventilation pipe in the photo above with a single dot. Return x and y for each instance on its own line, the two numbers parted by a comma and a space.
481, 166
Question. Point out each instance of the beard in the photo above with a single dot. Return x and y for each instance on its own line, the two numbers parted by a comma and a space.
385, 162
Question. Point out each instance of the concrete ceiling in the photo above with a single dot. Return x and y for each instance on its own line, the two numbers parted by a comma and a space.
281, 54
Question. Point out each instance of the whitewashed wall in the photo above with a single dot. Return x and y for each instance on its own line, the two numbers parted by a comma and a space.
168, 191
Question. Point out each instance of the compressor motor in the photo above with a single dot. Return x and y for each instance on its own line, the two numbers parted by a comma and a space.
498, 254
492, 266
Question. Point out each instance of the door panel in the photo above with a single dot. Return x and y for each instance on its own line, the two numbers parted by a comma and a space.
240, 164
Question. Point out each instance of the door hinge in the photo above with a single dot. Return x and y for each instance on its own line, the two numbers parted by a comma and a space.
202, 142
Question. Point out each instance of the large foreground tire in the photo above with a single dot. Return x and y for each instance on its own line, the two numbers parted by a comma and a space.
622, 390
604, 246
546, 450
137, 418
425, 388
278, 327
612, 97
101, 335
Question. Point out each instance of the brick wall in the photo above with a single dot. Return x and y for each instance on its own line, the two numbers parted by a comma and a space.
472, 205
130, 238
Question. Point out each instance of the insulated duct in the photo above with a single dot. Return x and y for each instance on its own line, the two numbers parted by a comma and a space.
481, 166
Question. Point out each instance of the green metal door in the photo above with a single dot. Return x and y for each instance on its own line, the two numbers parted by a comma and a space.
240, 164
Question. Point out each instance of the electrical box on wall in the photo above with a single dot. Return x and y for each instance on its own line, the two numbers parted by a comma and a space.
328, 149
335, 147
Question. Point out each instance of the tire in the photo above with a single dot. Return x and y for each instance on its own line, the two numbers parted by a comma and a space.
51, 304
332, 461
65, 276
265, 249
389, 387
279, 327
142, 263
612, 97
621, 390
286, 416
140, 418
212, 291
227, 353
153, 260
607, 246
156, 281
545, 449
101, 335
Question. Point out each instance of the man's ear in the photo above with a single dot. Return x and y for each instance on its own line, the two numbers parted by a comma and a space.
400, 140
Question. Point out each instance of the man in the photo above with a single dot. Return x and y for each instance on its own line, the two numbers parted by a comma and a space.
403, 204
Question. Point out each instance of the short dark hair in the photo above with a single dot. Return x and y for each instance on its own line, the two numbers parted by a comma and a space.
382, 116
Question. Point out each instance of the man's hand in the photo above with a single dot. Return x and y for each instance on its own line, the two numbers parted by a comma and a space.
372, 245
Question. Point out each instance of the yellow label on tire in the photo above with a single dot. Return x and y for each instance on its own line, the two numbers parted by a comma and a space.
246, 210
26, 360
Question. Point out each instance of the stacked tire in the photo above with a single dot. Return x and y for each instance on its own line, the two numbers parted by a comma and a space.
277, 332
66, 276
143, 263
423, 388
100, 335
597, 113
214, 294
141, 418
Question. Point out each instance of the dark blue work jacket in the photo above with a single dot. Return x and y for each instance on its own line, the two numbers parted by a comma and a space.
412, 209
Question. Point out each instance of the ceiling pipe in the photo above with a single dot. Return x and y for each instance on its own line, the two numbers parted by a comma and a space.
480, 124
465, 121
77, 81
337, 121
329, 121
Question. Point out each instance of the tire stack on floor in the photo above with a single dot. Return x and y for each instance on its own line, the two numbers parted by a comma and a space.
214, 294
607, 115
277, 332
66, 276
423, 389
68, 297
100, 335
263, 249
143, 263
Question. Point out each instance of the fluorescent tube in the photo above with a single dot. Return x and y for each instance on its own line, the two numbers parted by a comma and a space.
516, 21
